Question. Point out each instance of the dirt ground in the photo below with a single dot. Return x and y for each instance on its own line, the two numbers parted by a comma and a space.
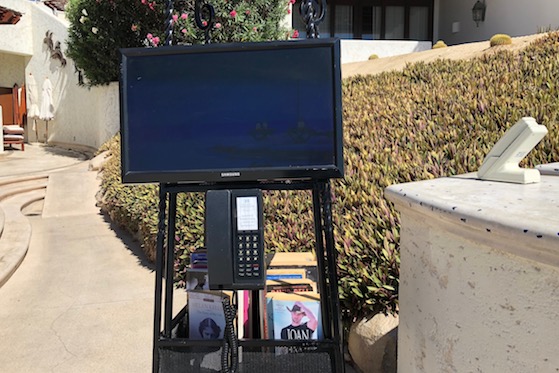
461, 51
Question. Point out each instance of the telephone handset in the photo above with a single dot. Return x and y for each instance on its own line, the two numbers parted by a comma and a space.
234, 239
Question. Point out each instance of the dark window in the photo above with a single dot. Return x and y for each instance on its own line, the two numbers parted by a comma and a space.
343, 21
371, 22
395, 22
374, 19
419, 23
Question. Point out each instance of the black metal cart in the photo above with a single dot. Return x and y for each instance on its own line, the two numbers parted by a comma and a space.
175, 354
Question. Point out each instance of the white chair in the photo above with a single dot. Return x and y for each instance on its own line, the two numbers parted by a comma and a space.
13, 135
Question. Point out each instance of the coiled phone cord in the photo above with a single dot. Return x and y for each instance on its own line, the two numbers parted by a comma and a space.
229, 353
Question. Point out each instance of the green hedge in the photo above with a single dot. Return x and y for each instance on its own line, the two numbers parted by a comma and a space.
98, 28
428, 121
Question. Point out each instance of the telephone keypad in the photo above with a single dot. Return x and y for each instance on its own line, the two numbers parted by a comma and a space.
249, 257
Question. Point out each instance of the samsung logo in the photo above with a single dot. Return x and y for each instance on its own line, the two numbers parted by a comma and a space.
230, 174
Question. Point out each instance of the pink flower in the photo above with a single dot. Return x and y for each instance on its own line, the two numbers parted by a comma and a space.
218, 25
295, 34
292, 2
175, 18
149, 36
134, 27
247, 12
183, 31
184, 16
233, 13
254, 29
204, 23
156, 40
288, 11
144, 2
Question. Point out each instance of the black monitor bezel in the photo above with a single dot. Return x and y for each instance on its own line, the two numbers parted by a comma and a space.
267, 174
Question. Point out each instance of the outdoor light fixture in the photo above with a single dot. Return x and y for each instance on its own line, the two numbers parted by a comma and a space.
478, 12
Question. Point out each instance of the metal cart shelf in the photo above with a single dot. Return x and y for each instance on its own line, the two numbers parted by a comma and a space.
176, 354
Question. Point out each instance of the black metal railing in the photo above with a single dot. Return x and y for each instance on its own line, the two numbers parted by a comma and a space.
312, 12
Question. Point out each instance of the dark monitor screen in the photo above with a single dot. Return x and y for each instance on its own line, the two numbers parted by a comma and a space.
231, 112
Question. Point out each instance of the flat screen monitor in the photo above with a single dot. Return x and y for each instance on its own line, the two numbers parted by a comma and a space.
225, 113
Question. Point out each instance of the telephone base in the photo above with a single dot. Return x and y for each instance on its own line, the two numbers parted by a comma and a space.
518, 176
501, 164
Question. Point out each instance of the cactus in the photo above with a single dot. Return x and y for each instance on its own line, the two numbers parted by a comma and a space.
500, 39
439, 44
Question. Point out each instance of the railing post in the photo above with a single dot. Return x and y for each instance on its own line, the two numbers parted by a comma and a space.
207, 10
312, 12
169, 23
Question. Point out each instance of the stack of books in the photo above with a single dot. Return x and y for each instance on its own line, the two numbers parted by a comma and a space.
199, 258
197, 273
305, 261
288, 307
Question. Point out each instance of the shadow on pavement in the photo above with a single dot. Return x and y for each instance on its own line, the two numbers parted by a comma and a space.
131, 244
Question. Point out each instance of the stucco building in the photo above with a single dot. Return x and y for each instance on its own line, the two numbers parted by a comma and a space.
32, 47
448, 20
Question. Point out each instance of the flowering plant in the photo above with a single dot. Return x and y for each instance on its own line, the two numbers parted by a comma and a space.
98, 28
237, 21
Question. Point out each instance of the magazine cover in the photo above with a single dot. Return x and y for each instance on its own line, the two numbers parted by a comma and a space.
205, 315
295, 316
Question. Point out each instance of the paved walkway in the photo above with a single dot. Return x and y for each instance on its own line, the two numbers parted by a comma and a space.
82, 299
37, 158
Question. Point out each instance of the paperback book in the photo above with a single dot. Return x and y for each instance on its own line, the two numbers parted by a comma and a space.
294, 316
206, 319
197, 279
285, 274
290, 286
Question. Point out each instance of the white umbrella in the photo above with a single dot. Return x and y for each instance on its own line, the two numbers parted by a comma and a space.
47, 108
33, 98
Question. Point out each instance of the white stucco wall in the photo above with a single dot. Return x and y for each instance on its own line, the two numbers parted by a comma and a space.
512, 17
12, 69
479, 275
83, 118
18, 36
360, 50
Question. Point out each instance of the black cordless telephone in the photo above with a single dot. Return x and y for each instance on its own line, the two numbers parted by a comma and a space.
235, 239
